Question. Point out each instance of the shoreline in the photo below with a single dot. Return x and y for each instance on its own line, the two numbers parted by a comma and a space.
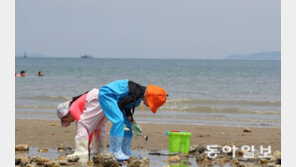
198, 119
50, 134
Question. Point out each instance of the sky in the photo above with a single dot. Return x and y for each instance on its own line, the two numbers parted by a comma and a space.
167, 29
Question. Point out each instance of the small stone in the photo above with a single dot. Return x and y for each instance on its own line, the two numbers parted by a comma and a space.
144, 162
205, 163
242, 165
40, 160
98, 165
51, 164
193, 149
105, 159
22, 161
277, 154
22, 147
263, 161
66, 150
62, 157
201, 157
219, 161
31, 165
202, 148
131, 158
73, 158
203, 135
61, 150
248, 130
234, 162
271, 165
63, 160
174, 159
240, 152
41, 150
134, 163
273, 159
249, 165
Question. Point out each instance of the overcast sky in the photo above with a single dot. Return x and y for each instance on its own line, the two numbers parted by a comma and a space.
195, 29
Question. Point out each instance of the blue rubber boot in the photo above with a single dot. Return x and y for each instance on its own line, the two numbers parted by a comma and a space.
126, 147
115, 148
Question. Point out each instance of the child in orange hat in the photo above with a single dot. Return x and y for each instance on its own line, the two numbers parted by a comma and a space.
118, 100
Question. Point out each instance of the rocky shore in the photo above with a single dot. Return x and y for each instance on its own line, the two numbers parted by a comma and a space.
199, 153
44, 135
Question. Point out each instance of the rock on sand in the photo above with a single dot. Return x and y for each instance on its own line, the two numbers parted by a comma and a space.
22, 147
174, 159
22, 161
40, 160
106, 160
248, 130
52, 164
276, 157
42, 150
135, 162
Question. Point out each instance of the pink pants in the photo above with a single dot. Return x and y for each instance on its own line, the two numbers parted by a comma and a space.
92, 119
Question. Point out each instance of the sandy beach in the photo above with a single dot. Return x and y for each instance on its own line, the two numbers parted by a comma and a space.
50, 134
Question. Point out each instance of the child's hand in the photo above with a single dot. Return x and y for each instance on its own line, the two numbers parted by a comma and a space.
126, 129
136, 129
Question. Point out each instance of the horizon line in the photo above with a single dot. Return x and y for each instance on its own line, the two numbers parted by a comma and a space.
151, 58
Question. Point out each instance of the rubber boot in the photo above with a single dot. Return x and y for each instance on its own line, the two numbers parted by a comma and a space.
126, 147
115, 148
81, 150
98, 145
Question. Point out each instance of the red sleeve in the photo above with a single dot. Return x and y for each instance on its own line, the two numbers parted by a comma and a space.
77, 107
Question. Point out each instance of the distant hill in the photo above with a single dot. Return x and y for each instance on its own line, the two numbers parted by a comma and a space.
30, 55
256, 56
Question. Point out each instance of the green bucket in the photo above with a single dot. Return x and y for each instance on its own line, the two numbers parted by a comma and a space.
179, 142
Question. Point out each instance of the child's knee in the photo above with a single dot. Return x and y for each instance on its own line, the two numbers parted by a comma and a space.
119, 122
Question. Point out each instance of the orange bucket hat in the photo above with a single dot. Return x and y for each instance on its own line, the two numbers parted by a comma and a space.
156, 97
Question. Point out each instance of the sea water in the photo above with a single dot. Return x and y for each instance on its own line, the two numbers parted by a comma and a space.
215, 92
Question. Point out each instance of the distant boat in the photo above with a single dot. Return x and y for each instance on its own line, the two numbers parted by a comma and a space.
86, 56
25, 55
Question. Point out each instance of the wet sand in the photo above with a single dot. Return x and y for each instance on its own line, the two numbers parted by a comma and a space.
50, 134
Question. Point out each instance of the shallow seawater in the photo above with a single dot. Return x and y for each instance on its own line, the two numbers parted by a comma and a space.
183, 118
155, 160
210, 92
